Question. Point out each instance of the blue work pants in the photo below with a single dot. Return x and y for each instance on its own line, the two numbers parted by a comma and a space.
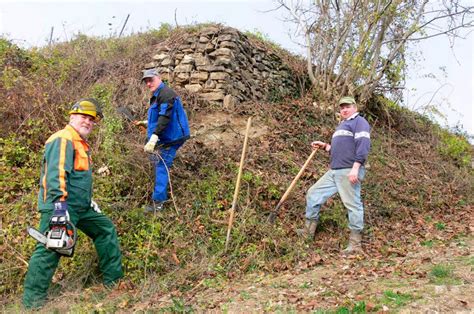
162, 167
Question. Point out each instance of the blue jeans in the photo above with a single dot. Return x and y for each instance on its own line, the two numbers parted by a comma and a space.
160, 191
332, 182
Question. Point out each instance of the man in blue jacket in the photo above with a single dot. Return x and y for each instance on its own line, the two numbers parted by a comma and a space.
349, 148
167, 130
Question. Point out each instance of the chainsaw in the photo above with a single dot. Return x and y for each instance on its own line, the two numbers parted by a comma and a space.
60, 237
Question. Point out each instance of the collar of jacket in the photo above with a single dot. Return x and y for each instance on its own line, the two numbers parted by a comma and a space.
157, 91
75, 135
355, 114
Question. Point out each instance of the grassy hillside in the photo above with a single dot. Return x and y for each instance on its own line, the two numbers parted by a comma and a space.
417, 171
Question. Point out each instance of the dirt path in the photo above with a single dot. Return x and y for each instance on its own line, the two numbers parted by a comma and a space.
433, 272
434, 278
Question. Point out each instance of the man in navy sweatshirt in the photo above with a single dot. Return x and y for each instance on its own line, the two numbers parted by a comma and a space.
349, 148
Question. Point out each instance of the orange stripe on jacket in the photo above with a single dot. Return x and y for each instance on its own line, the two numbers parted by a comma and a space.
45, 187
62, 172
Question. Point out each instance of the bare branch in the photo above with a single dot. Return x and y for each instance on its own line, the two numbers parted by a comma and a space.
360, 45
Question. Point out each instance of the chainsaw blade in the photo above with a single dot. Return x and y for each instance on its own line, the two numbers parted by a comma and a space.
35, 234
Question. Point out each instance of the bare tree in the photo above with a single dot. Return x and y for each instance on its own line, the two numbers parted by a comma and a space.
359, 46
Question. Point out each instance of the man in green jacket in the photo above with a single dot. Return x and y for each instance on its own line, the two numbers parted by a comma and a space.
66, 191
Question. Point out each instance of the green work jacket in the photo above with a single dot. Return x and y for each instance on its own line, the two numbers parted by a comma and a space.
66, 173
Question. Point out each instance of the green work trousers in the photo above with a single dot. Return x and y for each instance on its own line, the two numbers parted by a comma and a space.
43, 262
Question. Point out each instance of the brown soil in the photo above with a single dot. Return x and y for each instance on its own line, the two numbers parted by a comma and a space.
224, 129
343, 281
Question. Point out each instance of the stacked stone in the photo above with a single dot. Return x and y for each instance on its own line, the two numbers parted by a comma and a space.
222, 66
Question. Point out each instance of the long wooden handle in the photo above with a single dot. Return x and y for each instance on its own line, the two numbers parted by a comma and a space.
292, 185
237, 185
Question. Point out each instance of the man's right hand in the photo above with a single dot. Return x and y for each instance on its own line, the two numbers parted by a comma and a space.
319, 144
60, 213
143, 123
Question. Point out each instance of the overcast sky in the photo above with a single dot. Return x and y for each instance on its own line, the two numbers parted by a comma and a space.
29, 23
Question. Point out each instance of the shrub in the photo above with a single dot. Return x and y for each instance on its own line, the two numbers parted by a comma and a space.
455, 147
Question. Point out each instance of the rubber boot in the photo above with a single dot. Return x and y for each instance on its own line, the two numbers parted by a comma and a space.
154, 207
309, 229
355, 245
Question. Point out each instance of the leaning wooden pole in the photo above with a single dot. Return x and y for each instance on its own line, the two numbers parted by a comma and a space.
274, 213
237, 184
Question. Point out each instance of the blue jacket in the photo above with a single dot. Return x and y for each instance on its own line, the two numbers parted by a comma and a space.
350, 142
167, 118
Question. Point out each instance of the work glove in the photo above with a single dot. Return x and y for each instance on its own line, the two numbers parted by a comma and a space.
150, 146
60, 213
143, 123
95, 207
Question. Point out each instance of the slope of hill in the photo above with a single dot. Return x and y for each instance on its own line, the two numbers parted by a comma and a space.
418, 191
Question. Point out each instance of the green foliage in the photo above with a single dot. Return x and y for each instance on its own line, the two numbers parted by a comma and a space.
210, 191
335, 216
455, 147
55, 65
258, 35
179, 306
275, 94
10, 77
427, 243
440, 226
11, 54
359, 307
441, 271
279, 93
4, 47
162, 32
443, 274
396, 298
14, 151
143, 247
111, 125
262, 37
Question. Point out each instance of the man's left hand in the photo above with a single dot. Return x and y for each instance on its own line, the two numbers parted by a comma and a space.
150, 146
354, 176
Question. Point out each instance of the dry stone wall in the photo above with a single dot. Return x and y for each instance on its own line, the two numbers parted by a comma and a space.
223, 66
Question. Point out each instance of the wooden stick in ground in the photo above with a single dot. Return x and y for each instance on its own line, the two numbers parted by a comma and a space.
274, 213
237, 184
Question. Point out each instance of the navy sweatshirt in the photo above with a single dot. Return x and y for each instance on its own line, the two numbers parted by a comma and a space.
350, 142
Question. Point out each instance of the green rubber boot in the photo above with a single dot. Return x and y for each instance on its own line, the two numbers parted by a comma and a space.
309, 229
355, 245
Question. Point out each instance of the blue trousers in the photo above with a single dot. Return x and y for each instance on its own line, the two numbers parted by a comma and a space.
332, 182
160, 191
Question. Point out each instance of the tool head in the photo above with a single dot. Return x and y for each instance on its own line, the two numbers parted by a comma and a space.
125, 112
